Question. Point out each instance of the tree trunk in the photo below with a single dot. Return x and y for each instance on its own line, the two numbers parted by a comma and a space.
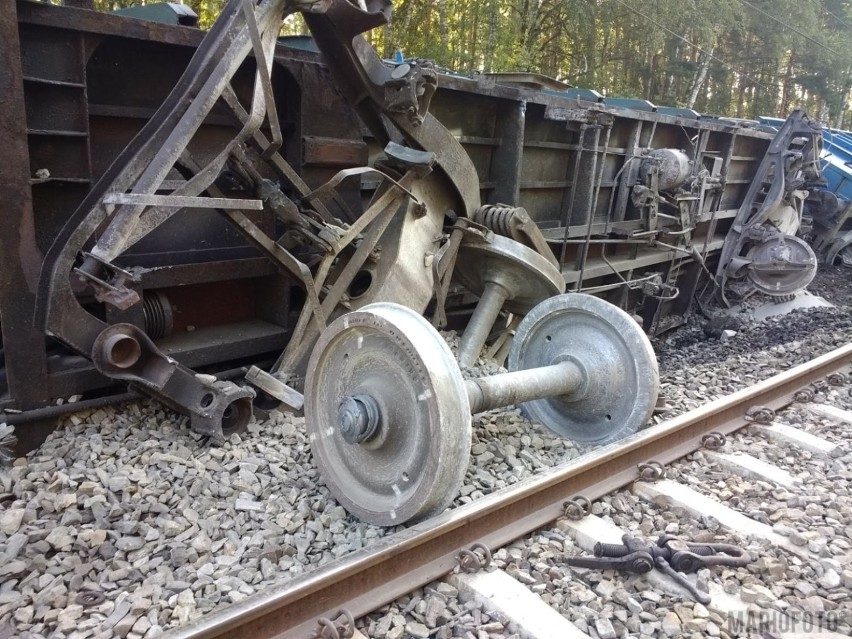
402, 22
701, 76
388, 44
670, 76
742, 91
844, 98
651, 89
491, 37
786, 86
445, 29
474, 41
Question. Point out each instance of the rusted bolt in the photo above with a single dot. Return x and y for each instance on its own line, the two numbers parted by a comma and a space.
760, 415
577, 508
651, 471
474, 559
714, 440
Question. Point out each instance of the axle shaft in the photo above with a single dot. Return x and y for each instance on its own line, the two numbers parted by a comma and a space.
518, 387
481, 322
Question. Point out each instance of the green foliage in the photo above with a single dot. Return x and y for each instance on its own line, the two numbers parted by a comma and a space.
732, 57
207, 10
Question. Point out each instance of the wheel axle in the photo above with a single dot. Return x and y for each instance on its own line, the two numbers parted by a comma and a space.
519, 387
482, 321
388, 381
359, 417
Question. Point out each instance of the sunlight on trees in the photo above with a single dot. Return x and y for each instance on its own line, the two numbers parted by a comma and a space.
739, 58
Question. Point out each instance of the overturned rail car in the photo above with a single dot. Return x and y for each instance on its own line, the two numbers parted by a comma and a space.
831, 214
639, 205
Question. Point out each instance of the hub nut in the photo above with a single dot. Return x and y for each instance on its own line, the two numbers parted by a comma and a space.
358, 418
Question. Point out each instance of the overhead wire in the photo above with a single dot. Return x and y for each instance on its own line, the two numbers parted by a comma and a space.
695, 46
792, 28
834, 15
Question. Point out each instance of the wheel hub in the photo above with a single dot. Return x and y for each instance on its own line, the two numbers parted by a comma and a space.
358, 419
527, 277
387, 415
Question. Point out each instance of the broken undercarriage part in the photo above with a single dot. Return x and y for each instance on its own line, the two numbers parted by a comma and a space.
388, 413
216, 408
762, 243
671, 555
383, 255
506, 275
382, 95
514, 222
128, 204
781, 265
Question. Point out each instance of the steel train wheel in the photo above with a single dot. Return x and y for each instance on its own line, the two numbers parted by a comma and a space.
527, 276
782, 265
621, 377
387, 415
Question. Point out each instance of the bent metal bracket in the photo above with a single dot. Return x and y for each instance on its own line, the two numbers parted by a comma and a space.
427, 178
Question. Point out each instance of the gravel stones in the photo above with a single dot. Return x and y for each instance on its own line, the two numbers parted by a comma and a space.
433, 611
604, 628
695, 370
128, 496
135, 505
417, 629
11, 519
127, 502
830, 579
671, 624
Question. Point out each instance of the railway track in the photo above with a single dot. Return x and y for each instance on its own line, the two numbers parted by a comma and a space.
148, 530
397, 564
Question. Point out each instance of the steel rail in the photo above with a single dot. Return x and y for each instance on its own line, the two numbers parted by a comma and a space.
397, 564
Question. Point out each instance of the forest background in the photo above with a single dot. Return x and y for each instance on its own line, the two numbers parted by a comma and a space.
740, 58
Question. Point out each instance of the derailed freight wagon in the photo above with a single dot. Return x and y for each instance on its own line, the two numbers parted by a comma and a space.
638, 202
170, 208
